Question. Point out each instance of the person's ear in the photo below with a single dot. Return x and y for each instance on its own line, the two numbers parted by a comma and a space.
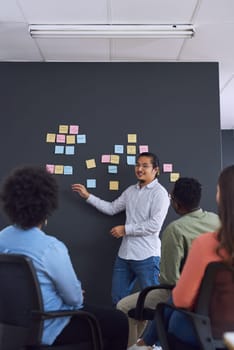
157, 171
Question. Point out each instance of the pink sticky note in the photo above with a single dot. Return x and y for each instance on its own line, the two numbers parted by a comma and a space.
50, 168
60, 138
74, 129
167, 168
143, 148
105, 158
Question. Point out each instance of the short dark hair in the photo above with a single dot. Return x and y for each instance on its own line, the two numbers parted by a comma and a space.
152, 156
187, 193
29, 195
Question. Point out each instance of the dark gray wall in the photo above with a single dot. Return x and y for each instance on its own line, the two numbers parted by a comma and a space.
172, 107
227, 148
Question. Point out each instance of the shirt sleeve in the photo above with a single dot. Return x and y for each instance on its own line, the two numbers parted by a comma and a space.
172, 254
158, 211
59, 267
186, 290
109, 208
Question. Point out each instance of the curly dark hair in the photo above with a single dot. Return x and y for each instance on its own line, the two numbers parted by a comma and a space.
29, 195
187, 192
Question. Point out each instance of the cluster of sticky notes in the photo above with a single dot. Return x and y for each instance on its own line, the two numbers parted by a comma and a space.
168, 168
65, 139
113, 160
131, 151
59, 169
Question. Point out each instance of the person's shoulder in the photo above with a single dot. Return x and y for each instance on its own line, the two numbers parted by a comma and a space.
212, 218
171, 229
158, 187
206, 238
53, 241
211, 214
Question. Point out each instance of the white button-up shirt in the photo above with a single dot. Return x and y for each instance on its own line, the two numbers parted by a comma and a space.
146, 208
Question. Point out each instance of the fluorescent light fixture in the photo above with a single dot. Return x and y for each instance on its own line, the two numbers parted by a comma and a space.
111, 31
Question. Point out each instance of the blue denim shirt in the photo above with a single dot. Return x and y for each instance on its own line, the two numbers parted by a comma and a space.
59, 284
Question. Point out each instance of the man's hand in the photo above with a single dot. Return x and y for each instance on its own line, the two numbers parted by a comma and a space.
118, 231
81, 189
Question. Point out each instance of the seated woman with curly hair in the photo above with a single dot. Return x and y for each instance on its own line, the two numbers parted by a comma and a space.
29, 196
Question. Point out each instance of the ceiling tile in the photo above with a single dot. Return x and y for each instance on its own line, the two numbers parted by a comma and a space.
10, 11
74, 49
145, 49
210, 42
152, 11
215, 11
16, 43
68, 11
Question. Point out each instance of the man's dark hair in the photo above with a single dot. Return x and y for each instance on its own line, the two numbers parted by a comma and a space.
29, 195
187, 193
154, 159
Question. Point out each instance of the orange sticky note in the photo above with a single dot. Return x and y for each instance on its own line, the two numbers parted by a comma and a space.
132, 138
70, 139
90, 163
63, 129
50, 137
114, 158
174, 177
131, 149
114, 185
58, 169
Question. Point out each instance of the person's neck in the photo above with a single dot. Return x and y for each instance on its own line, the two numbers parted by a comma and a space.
185, 211
144, 183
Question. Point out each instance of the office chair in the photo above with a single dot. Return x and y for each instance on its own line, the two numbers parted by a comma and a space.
140, 312
21, 309
213, 314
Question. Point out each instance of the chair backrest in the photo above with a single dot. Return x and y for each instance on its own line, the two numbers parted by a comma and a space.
216, 298
20, 294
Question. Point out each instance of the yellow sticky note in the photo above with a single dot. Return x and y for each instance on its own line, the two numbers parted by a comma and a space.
70, 139
174, 177
63, 129
132, 138
131, 149
50, 137
90, 163
114, 185
58, 169
114, 159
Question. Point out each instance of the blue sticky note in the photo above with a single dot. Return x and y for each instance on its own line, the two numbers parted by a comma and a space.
67, 170
119, 149
59, 149
81, 138
91, 183
69, 150
131, 160
112, 169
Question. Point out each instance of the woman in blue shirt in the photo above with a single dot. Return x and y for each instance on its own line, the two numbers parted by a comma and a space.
29, 196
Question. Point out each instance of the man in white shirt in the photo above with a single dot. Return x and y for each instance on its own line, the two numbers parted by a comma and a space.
146, 204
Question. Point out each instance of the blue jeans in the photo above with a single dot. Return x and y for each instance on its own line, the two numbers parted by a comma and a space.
127, 272
176, 323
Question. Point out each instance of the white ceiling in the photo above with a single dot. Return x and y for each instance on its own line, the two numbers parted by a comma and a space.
213, 21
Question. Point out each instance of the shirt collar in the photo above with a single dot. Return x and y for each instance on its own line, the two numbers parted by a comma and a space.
150, 185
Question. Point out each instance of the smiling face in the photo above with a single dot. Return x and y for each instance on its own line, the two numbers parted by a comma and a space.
144, 170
